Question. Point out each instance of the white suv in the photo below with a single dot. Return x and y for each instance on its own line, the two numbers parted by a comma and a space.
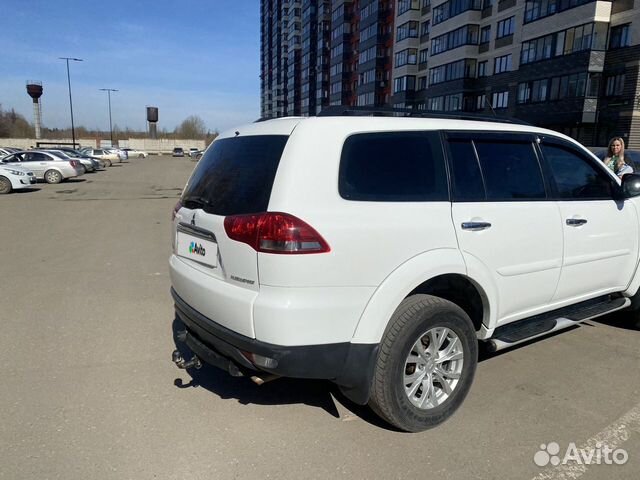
376, 252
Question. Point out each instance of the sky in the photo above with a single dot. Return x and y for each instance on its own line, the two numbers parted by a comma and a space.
186, 57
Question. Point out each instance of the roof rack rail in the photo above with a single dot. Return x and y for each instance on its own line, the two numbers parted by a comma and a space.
345, 111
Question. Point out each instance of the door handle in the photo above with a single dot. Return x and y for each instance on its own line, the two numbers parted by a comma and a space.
475, 226
576, 222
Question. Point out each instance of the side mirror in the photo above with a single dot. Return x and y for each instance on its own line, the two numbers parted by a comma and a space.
630, 185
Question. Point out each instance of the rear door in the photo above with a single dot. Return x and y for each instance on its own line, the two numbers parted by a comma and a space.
600, 233
508, 228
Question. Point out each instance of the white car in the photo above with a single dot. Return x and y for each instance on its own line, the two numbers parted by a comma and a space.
377, 252
133, 153
107, 156
15, 178
44, 165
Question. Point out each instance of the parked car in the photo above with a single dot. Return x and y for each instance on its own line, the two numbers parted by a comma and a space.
377, 252
70, 152
177, 152
86, 163
15, 178
107, 157
193, 152
45, 165
122, 154
131, 152
7, 150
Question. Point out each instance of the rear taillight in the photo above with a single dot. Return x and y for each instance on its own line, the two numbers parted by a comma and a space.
74, 163
275, 232
176, 207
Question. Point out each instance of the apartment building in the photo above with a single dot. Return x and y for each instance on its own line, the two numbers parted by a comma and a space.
569, 65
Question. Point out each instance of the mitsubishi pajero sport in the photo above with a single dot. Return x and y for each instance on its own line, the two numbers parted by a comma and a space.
378, 251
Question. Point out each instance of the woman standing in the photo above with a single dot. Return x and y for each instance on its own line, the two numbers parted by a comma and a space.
615, 158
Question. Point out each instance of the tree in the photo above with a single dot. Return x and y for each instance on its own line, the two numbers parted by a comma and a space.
192, 127
14, 125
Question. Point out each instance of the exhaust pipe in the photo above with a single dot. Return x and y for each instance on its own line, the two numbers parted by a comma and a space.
262, 379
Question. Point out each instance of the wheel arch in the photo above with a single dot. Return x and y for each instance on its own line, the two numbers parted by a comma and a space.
438, 272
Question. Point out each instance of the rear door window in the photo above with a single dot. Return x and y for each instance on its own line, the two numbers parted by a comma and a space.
236, 175
393, 167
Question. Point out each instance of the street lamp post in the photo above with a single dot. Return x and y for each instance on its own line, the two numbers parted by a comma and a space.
109, 90
73, 131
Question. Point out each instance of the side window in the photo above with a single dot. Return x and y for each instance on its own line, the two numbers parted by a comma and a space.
511, 170
466, 175
393, 167
575, 177
29, 157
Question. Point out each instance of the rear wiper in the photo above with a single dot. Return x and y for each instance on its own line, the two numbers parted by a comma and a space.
196, 202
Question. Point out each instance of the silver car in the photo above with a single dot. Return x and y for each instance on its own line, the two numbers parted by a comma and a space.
85, 162
45, 165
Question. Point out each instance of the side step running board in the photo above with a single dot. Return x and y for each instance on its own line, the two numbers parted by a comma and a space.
529, 328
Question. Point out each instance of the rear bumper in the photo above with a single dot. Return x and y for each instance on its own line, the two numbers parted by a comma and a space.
349, 365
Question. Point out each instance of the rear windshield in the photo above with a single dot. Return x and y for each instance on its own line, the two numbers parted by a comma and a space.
235, 176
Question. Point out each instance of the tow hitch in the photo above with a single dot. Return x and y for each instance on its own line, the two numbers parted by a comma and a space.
180, 362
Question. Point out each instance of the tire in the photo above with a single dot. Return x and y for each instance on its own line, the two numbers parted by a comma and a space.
436, 387
52, 176
84, 169
141, 156
107, 162
5, 185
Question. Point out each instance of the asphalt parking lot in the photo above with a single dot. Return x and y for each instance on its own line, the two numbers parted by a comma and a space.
89, 390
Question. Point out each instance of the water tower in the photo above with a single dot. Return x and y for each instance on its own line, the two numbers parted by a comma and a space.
152, 118
34, 89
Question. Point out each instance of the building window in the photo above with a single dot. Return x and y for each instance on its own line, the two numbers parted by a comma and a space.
336, 88
368, 77
368, 55
407, 30
424, 55
505, 27
335, 69
568, 86
535, 9
435, 103
482, 68
480, 102
365, 99
368, 10
620, 36
466, 35
406, 5
422, 83
465, 68
500, 99
404, 84
408, 56
425, 28
524, 93
539, 90
337, 50
449, 9
485, 34
369, 32
614, 85
502, 64
453, 103
584, 37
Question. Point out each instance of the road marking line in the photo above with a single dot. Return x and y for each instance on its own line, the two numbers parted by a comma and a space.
612, 436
